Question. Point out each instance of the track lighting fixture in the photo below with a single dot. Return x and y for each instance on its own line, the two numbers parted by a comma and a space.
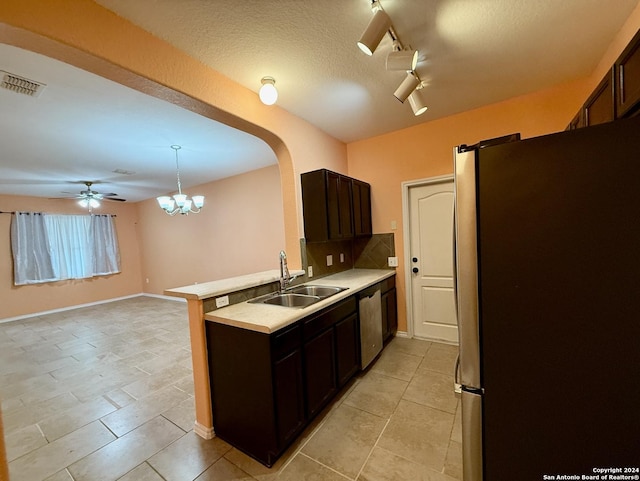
408, 85
378, 26
268, 93
417, 102
402, 60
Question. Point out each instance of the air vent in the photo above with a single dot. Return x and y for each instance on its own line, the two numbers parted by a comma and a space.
21, 85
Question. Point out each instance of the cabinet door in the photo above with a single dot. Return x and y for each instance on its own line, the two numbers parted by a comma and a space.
346, 207
347, 348
333, 205
361, 208
600, 107
389, 314
627, 71
289, 396
320, 371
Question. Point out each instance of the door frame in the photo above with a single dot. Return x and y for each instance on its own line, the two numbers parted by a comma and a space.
406, 236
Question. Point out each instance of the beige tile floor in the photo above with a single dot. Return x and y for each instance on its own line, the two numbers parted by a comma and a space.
106, 393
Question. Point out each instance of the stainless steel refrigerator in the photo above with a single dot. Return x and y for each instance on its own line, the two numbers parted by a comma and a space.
548, 299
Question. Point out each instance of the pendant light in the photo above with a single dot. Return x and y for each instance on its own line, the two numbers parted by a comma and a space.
180, 204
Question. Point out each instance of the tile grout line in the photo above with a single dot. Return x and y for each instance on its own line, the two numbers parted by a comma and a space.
373, 447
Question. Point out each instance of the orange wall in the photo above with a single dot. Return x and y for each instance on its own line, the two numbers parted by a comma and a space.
21, 300
239, 231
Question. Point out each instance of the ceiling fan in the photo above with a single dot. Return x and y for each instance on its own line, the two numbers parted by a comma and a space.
91, 198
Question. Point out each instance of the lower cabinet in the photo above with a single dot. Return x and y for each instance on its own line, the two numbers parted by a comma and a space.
388, 299
265, 389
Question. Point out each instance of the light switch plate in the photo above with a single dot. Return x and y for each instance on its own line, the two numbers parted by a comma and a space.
310, 271
393, 261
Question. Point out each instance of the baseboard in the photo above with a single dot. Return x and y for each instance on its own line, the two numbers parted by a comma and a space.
402, 334
77, 306
203, 432
166, 298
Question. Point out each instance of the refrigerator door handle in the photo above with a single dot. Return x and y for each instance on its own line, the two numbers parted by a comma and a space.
466, 254
471, 436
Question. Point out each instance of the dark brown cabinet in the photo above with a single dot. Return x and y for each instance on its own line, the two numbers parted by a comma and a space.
320, 371
600, 107
617, 95
627, 79
361, 208
388, 299
332, 209
347, 349
265, 388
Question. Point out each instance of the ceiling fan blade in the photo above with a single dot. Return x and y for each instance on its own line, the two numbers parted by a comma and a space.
115, 198
111, 194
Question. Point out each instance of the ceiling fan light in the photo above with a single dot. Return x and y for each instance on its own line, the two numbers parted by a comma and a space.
417, 102
378, 26
198, 200
268, 92
93, 203
84, 203
408, 85
402, 60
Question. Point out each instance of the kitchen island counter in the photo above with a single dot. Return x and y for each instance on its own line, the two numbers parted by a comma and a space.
268, 318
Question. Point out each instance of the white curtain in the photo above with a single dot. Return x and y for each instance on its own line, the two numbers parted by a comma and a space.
73, 246
30, 248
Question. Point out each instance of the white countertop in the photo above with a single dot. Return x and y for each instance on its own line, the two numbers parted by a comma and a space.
269, 318
225, 286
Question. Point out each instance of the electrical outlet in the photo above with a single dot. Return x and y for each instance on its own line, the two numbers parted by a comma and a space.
147, 280
393, 261
341, 257
310, 271
329, 260
222, 301
394, 225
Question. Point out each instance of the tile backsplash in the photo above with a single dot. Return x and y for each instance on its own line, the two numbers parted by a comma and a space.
367, 253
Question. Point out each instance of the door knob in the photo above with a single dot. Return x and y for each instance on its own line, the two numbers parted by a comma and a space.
415, 259
415, 270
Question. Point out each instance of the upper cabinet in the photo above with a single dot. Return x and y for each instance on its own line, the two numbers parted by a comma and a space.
617, 95
601, 105
627, 73
335, 207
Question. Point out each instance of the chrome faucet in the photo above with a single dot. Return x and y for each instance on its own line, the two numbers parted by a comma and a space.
285, 277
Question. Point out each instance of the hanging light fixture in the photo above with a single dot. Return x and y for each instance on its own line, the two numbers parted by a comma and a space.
180, 204
402, 60
378, 26
268, 93
408, 85
417, 101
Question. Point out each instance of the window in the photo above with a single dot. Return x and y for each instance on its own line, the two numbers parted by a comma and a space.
50, 247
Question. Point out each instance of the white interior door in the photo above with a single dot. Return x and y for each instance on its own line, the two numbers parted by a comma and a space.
431, 261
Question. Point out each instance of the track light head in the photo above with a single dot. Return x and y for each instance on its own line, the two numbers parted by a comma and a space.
268, 93
402, 60
378, 26
417, 102
408, 85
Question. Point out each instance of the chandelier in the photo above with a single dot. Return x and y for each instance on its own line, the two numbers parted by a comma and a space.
180, 204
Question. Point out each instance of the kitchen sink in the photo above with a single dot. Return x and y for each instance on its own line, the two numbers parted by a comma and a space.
301, 296
320, 291
291, 300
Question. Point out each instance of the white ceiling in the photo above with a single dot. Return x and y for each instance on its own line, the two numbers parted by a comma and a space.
472, 53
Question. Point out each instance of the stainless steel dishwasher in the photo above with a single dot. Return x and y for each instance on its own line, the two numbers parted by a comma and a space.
370, 312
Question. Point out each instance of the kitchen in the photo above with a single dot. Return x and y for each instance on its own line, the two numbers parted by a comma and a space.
546, 111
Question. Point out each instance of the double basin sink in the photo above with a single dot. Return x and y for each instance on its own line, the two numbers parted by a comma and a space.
301, 296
